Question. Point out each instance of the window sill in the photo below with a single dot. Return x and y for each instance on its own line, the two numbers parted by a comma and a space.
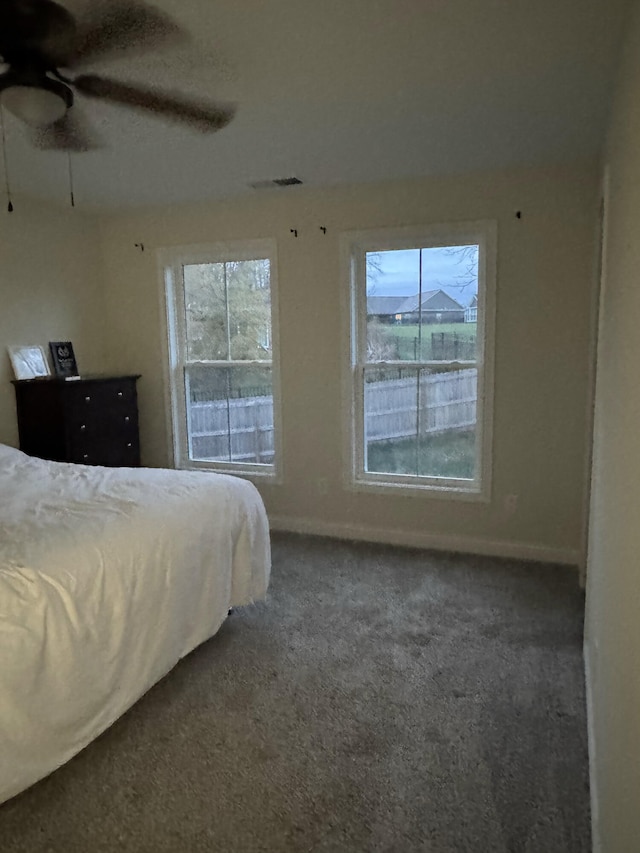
271, 476
471, 493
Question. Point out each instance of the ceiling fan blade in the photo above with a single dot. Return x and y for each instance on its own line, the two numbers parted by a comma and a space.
199, 115
41, 29
116, 26
70, 133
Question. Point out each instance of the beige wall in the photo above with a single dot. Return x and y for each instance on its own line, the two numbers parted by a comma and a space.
542, 348
49, 290
613, 586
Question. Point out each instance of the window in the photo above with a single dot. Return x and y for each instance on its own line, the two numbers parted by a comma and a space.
420, 358
222, 359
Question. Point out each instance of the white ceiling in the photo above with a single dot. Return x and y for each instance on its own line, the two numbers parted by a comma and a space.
337, 91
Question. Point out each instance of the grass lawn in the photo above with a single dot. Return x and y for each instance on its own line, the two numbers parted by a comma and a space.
443, 455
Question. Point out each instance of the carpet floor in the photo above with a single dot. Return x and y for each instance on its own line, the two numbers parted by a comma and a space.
382, 699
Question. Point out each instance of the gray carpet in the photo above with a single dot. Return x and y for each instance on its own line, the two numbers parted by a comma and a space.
382, 700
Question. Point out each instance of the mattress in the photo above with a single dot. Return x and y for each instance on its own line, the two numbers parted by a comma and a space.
108, 576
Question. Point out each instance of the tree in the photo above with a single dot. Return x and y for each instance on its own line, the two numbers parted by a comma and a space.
381, 343
467, 259
228, 310
374, 271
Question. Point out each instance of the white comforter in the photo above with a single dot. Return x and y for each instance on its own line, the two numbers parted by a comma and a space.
108, 576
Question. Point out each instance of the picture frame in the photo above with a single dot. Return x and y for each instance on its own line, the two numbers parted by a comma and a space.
64, 360
29, 361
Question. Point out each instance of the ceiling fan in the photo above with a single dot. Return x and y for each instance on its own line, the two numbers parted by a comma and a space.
40, 37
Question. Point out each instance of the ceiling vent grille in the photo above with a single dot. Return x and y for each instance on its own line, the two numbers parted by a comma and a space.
276, 182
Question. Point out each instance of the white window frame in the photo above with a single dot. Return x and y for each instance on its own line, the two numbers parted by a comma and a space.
354, 247
171, 261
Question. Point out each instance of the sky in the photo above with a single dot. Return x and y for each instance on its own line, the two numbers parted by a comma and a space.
441, 268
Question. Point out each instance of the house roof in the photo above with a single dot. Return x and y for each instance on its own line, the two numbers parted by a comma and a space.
433, 300
387, 305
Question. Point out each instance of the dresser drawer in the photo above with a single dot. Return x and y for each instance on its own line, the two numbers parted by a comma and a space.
105, 450
99, 421
101, 397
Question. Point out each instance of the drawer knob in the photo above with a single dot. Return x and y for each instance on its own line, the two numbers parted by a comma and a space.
119, 393
86, 456
83, 426
129, 444
127, 419
87, 399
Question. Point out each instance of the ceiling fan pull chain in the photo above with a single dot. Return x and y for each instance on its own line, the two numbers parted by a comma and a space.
4, 159
71, 196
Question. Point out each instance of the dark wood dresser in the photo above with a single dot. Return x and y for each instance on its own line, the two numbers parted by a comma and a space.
93, 420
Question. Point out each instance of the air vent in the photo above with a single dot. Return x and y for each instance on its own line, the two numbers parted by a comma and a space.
275, 182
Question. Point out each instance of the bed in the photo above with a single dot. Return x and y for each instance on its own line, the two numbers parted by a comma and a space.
108, 576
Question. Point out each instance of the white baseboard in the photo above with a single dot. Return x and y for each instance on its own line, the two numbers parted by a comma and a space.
591, 737
435, 541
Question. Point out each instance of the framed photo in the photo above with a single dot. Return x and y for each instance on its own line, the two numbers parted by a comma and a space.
64, 361
29, 361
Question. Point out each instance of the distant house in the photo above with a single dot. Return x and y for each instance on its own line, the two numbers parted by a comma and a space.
471, 312
386, 309
437, 307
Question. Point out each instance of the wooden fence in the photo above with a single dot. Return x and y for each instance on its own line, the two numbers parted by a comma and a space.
241, 430
444, 401
437, 346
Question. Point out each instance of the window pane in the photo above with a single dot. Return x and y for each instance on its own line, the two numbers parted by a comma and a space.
391, 423
421, 422
249, 309
230, 411
422, 304
205, 312
228, 310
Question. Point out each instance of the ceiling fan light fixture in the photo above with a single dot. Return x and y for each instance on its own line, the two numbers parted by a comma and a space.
38, 105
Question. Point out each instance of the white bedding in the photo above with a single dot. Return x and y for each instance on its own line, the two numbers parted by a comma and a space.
108, 576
